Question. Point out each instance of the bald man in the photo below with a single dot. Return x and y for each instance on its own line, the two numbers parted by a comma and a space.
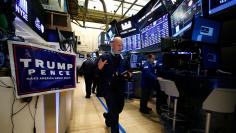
113, 70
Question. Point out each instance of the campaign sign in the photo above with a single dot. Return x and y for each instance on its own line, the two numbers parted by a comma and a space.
39, 69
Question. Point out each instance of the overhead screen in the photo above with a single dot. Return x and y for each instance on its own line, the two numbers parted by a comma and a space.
181, 19
170, 5
152, 33
132, 42
219, 5
205, 30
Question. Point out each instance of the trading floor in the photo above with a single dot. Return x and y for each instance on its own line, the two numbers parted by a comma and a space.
88, 115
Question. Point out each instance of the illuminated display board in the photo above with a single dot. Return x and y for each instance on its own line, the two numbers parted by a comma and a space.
124, 44
132, 42
218, 5
152, 33
181, 19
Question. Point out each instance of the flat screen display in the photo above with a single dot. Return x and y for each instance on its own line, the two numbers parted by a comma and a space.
181, 19
133, 60
219, 5
171, 4
132, 42
110, 34
152, 33
210, 59
205, 30
124, 44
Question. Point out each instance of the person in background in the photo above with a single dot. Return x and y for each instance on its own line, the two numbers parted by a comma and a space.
77, 74
87, 69
113, 70
148, 83
95, 78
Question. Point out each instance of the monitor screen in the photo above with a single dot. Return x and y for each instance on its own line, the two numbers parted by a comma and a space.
219, 5
128, 43
171, 4
210, 58
205, 30
152, 33
138, 42
110, 34
133, 60
181, 19
132, 42
124, 44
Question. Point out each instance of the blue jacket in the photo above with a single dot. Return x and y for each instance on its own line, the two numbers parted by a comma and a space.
112, 80
148, 76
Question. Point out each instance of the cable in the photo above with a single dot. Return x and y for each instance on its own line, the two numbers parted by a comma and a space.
12, 106
35, 111
30, 113
20, 109
5, 85
12, 111
27, 104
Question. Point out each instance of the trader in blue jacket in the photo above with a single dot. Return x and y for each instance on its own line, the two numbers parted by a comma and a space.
113, 70
148, 82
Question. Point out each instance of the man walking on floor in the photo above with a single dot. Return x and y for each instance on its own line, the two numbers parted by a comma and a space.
112, 69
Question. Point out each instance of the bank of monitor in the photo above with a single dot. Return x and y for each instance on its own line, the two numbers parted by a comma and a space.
181, 19
219, 5
152, 33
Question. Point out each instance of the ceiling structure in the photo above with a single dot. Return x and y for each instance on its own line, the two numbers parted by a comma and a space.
103, 11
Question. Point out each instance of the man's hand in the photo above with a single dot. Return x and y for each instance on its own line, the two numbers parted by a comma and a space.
101, 64
130, 74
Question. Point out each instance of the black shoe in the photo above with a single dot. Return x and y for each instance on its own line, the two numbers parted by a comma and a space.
87, 96
108, 124
144, 111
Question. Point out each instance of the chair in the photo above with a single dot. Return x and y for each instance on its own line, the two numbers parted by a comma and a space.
221, 100
171, 91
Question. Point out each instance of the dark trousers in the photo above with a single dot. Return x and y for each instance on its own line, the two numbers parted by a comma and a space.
88, 84
115, 104
77, 75
95, 84
145, 95
99, 90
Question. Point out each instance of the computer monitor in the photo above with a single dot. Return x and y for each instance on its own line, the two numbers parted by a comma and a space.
181, 19
134, 42
124, 44
219, 5
205, 30
152, 33
210, 58
111, 34
133, 60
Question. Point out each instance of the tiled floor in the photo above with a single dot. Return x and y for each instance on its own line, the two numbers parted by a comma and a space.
88, 118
